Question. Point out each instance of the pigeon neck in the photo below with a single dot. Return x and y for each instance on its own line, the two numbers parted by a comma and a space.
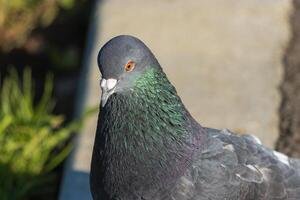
147, 133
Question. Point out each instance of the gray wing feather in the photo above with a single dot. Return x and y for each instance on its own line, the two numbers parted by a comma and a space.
239, 168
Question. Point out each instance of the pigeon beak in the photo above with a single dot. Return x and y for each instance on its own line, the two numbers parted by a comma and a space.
108, 88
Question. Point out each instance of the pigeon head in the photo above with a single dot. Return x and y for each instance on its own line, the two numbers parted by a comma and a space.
121, 61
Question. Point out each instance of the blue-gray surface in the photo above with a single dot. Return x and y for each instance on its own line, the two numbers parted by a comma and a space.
76, 186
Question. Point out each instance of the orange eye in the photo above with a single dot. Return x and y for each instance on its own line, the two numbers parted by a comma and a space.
129, 66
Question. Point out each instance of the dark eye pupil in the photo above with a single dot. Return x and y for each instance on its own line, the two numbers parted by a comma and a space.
129, 66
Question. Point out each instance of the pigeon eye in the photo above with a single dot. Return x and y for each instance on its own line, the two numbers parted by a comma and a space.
129, 66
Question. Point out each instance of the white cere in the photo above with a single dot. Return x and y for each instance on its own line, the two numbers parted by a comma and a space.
111, 83
108, 84
103, 82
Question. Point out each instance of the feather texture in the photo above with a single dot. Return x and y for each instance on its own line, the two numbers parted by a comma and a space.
149, 147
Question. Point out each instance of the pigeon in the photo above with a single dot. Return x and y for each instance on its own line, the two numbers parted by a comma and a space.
149, 147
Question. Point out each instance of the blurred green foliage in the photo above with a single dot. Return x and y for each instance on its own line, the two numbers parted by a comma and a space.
19, 17
66, 59
32, 139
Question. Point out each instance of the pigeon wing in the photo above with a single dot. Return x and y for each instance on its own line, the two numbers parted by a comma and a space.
239, 167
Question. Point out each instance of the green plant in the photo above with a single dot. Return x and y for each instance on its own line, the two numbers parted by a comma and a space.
19, 17
32, 140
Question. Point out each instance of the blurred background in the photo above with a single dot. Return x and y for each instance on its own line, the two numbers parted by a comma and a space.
236, 65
